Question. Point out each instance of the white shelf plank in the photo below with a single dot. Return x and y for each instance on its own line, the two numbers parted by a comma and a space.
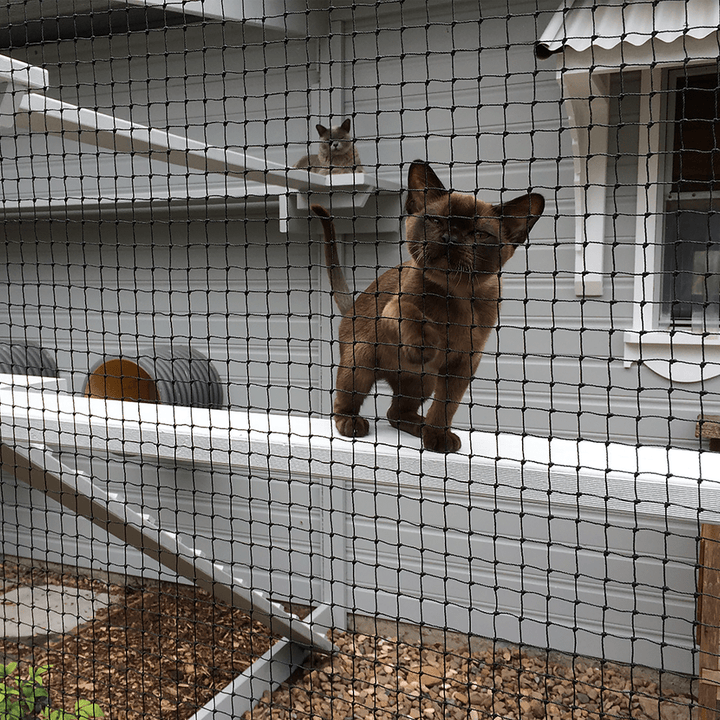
592, 474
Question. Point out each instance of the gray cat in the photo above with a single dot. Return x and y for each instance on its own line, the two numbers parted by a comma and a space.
337, 153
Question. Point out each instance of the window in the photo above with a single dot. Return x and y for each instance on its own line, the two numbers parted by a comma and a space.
691, 247
674, 329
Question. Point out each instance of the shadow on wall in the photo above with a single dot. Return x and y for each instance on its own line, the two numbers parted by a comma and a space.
172, 376
27, 359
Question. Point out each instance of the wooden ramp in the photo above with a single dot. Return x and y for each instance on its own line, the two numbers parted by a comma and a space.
709, 622
39, 468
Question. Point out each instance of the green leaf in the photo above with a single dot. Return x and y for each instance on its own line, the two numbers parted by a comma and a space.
61, 715
87, 709
37, 693
14, 712
29, 704
27, 689
38, 673
8, 669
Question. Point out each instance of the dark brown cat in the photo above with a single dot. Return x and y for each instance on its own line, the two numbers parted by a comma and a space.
422, 326
337, 152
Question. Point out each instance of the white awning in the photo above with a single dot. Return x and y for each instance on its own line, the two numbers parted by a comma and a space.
581, 24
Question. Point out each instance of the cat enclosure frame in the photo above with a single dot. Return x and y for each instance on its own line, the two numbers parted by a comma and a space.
573, 516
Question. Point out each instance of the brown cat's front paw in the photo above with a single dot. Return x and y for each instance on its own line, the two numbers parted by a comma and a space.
352, 425
441, 440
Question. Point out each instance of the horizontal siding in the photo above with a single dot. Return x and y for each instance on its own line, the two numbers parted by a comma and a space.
110, 290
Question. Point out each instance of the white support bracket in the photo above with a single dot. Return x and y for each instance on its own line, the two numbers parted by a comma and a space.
265, 675
587, 102
40, 469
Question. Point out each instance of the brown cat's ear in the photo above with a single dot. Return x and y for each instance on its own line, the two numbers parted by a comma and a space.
346, 125
322, 130
423, 185
519, 215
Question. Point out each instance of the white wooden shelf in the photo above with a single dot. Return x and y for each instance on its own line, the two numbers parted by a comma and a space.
360, 202
502, 496
586, 472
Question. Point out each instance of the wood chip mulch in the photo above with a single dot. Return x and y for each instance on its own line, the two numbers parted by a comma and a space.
380, 678
161, 650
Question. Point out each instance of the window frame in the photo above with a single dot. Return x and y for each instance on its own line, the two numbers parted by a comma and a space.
584, 67
676, 353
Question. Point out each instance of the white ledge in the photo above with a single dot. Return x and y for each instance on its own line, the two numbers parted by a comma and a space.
347, 194
512, 468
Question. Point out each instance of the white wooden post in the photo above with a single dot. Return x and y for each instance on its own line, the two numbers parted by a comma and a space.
587, 103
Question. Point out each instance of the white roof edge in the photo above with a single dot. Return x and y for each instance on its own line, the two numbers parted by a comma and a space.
549, 39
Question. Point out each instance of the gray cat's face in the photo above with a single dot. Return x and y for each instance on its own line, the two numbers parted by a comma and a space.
337, 139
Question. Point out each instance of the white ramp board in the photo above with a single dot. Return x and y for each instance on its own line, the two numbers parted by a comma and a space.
40, 469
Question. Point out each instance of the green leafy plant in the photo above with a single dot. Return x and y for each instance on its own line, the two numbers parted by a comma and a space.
26, 698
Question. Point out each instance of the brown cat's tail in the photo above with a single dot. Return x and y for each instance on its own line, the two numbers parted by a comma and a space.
340, 290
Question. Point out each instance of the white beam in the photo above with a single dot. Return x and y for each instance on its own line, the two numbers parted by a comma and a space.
41, 470
289, 17
39, 113
21, 76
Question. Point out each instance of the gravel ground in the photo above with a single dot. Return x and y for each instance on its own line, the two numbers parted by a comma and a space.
161, 651
384, 679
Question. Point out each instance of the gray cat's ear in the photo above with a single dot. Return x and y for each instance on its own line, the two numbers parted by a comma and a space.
346, 125
423, 186
519, 215
322, 130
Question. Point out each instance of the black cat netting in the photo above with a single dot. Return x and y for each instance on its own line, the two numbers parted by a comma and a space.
458, 463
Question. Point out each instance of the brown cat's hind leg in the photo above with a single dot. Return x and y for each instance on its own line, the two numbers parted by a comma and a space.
409, 392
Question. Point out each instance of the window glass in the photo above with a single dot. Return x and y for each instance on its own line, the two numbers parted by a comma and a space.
691, 264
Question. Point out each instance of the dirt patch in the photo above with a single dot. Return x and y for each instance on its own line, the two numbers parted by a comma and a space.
161, 650
385, 679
